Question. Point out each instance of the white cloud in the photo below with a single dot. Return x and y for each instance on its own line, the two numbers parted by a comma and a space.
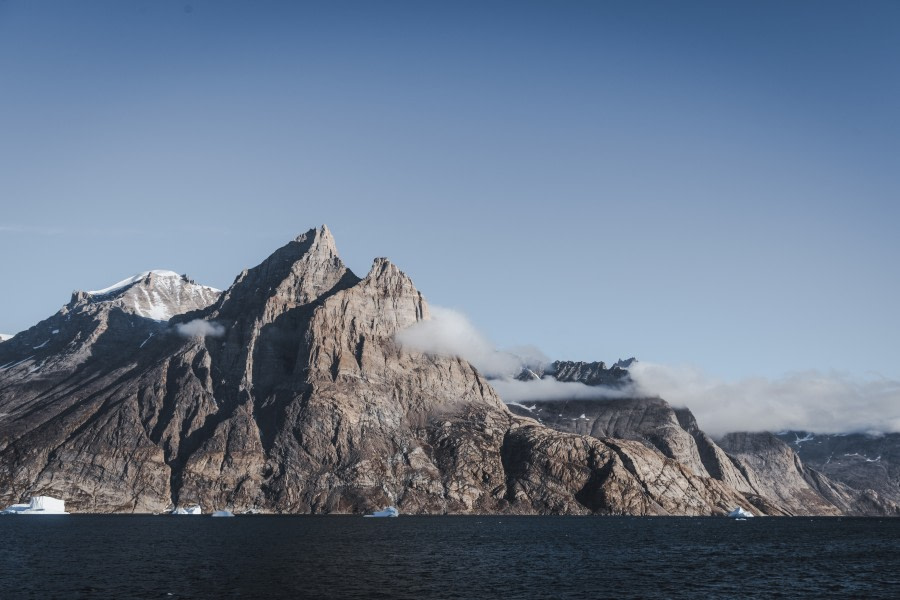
200, 328
450, 333
512, 390
809, 400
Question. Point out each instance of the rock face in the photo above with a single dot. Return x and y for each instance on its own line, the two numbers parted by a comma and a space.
288, 393
777, 473
866, 463
766, 471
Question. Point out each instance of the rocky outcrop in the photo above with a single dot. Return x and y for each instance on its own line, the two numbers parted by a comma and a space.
589, 373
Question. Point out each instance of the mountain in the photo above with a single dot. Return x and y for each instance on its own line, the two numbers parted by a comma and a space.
5, 336
287, 393
864, 462
766, 470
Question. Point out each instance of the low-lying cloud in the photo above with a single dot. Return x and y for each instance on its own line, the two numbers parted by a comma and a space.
512, 390
199, 328
450, 333
813, 401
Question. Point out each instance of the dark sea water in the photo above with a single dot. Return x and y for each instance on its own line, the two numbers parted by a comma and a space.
80, 556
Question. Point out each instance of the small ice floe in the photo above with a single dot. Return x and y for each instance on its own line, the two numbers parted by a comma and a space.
223, 513
390, 511
39, 505
740, 513
190, 510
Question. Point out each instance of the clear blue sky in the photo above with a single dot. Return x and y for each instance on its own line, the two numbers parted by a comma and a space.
706, 183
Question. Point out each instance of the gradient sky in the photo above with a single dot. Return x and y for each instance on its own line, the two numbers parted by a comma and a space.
713, 184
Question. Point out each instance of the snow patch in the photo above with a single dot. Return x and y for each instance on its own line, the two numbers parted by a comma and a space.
42, 345
15, 364
145, 341
6, 336
807, 438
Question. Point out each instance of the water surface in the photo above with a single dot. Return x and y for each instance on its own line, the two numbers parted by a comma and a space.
88, 556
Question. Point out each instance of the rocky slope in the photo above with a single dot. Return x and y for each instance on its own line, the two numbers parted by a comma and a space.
863, 462
288, 393
760, 466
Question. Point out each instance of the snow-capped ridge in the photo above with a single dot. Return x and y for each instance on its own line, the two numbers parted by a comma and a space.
140, 277
158, 295
6, 336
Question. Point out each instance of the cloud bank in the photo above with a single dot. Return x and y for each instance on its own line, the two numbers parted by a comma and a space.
199, 328
813, 401
810, 401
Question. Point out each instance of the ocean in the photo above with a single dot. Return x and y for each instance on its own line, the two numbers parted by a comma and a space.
111, 556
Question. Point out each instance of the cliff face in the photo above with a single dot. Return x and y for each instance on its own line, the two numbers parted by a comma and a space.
868, 464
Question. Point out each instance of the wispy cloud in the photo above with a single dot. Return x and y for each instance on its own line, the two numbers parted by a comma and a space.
200, 328
814, 401
32, 229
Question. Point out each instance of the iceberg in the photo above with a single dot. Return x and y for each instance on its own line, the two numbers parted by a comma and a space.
190, 510
740, 513
223, 513
38, 505
390, 511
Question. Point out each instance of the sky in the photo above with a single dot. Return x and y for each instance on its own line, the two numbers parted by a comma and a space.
708, 184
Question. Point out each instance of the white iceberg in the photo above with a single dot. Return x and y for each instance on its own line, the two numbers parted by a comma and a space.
223, 513
390, 511
39, 505
740, 513
190, 510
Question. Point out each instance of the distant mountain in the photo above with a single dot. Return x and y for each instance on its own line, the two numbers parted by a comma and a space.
5, 336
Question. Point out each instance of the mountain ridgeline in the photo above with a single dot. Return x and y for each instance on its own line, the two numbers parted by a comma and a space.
288, 393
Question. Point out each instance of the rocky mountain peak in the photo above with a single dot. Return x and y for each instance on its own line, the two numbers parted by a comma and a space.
157, 295
294, 275
588, 373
